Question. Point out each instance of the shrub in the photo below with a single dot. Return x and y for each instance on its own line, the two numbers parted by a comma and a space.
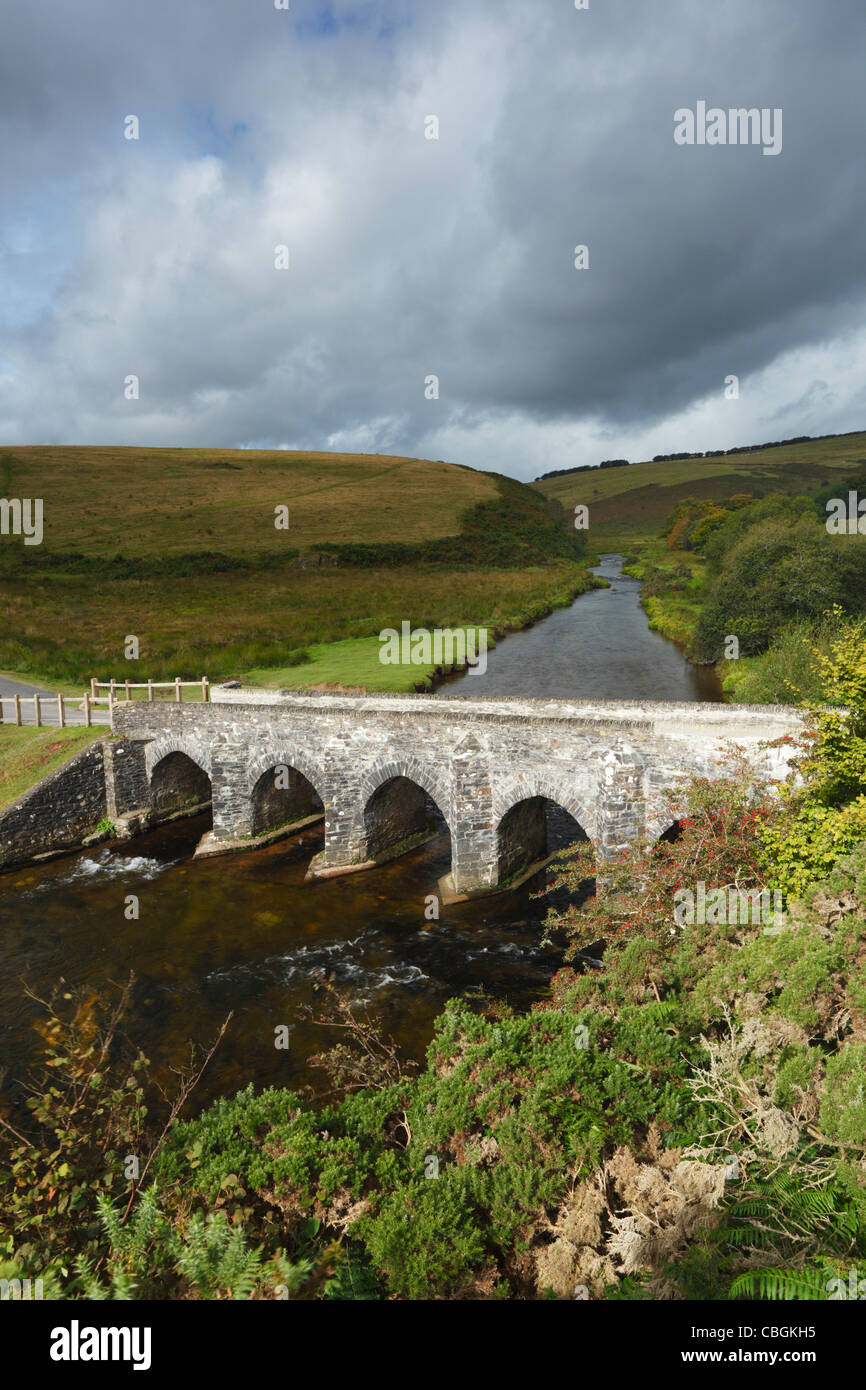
778, 571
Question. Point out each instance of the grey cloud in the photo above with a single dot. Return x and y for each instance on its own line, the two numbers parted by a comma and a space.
410, 256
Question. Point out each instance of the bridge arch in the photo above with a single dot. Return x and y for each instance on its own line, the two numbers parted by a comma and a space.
540, 819
669, 832
193, 748
414, 771
514, 790
283, 786
178, 774
262, 762
400, 800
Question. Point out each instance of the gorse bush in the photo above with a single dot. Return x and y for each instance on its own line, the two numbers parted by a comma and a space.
514, 529
823, 812
693, 521
443, 1176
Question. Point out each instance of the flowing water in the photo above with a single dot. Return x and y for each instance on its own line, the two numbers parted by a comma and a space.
598, 648
243, 932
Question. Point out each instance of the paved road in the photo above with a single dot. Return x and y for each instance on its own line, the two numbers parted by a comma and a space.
72, 713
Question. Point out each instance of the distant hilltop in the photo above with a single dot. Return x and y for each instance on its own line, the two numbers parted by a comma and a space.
708, 454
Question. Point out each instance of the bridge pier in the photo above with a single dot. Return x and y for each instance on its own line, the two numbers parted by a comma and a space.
232, 807
364, 827
621, 813
473, 828
127, 787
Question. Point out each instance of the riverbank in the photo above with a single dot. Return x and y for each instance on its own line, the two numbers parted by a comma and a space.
673, 586
673, 583
204, 624
575, 1150
28, 754
356, 663
764, 590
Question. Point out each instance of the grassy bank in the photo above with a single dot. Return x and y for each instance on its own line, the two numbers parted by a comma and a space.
224, 626
672, 585
356, 662
28, 754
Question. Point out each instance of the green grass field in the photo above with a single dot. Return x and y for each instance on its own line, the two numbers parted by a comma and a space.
626, 504
355, 664
224, 627
210, 587
27, 754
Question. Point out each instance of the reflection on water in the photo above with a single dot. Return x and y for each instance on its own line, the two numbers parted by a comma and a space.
598, 648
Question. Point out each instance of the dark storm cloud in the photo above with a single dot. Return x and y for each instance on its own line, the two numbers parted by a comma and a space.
411, 257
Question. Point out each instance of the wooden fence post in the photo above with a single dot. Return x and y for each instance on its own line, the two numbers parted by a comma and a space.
87, 715
127, 690
150, 688
204, 689
37, 710
18, 710
177, 693
93, 688
61, 716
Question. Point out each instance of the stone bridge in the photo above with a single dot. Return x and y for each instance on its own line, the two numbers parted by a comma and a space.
510, 779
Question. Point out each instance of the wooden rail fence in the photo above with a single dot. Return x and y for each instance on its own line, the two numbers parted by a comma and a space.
68, 708
201, 687
43, 706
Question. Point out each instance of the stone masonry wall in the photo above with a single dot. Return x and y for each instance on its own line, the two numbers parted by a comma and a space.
126, 782
58, 812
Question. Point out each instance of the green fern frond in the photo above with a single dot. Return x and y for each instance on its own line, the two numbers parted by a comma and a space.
783, 1284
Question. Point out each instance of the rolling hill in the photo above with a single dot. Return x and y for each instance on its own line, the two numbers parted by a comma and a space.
179, 547
167, 501
630, 503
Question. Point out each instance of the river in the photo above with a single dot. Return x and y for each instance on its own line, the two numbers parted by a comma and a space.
245, 933
598, 648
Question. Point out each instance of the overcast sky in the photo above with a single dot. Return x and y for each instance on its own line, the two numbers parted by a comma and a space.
411, 257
